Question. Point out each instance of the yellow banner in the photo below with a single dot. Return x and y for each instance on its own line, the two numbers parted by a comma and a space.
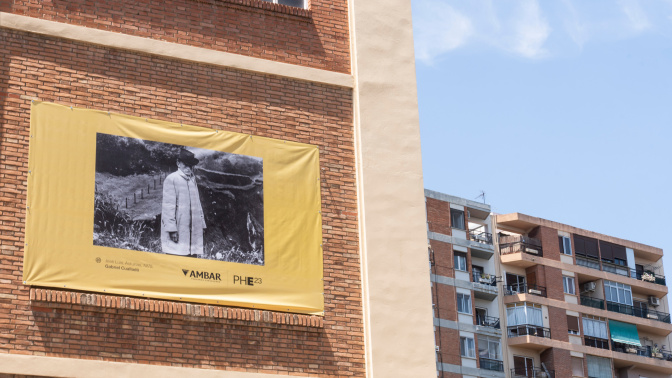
147, 208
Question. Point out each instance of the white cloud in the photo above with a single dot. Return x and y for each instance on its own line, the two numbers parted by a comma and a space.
531, 30
438, 29
575, 28
637, 18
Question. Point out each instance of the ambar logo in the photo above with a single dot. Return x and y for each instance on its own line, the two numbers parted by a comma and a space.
195, 274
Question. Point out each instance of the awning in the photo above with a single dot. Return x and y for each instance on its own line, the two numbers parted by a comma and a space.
624, 333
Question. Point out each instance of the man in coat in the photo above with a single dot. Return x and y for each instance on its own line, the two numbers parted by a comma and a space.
182, 220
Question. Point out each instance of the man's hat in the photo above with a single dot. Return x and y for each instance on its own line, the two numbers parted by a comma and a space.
187, 157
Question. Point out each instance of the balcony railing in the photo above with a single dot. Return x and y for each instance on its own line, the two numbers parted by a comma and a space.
484, 278
588, 262
480, 236
519, 243
638, 312
660, 354
596, 342
488, 364
592, 302
648, 277
620, 270
615, 268
524, 288
532, 373
487, 321
528, 330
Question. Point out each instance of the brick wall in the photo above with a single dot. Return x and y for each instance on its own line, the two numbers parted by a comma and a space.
316, 38
86, 76
450, 347
438, 216
557, 319
445, 301
443, 263
559, 360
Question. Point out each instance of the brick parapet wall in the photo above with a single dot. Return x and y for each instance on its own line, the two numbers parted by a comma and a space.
317, 37
50, 69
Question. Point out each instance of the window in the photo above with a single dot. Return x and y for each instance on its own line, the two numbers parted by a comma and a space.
523, 366
572, 325
467, 347
565, 245
291, 3
594, 327
618, 292
524, 313
577, 367
460, 260
598, 367
515, 283
489, 347
464, 303
568, 285
585, 246
457, 219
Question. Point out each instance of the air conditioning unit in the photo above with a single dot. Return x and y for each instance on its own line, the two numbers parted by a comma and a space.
653, 301
589, 286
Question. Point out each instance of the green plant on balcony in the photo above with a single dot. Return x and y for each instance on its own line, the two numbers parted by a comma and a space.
648, 277
485, 278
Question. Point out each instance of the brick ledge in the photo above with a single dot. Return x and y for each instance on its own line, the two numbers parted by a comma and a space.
206, 312
260, 4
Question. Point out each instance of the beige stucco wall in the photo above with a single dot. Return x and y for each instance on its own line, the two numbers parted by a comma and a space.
397, 297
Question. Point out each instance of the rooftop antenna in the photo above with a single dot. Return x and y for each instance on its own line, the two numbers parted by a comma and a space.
482, 195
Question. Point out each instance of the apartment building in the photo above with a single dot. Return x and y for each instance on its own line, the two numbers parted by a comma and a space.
336, 76
572, 302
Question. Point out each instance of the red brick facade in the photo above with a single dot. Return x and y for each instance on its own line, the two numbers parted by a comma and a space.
71, 325
317, 37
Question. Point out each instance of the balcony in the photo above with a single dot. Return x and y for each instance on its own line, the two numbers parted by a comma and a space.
487, 321
525, 289
596, 342
648, 277
528, 330
660, 354
480, 236
588, 262
532, 373
519, 243
493, 365
621, 270
592, 302
638, 312
484, 278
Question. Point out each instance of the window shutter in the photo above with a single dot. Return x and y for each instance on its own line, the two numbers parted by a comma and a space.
606, 251
572, 323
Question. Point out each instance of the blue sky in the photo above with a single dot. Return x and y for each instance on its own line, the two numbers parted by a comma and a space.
561, 110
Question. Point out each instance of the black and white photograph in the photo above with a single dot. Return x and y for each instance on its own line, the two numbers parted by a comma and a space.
185, 201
